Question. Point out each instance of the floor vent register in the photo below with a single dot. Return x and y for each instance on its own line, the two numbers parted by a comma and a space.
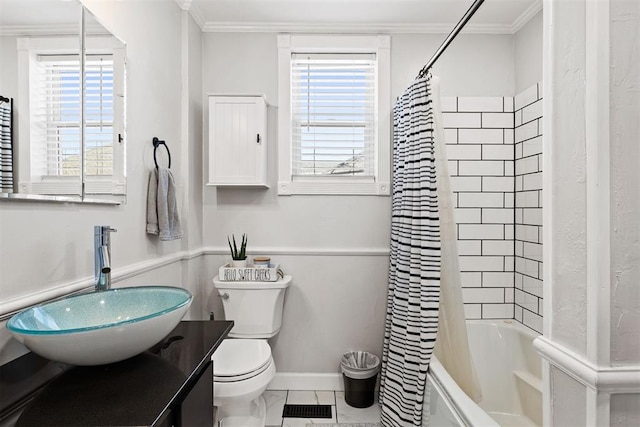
306, 411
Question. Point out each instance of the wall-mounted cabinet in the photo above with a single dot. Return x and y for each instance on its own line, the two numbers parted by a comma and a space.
237, 141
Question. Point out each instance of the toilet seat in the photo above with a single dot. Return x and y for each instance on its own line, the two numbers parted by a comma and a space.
223, 379
240, 359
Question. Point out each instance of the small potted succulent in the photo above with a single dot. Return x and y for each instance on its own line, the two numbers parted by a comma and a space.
238, 255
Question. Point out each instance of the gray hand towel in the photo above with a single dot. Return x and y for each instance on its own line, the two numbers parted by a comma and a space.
152, 203
162, 215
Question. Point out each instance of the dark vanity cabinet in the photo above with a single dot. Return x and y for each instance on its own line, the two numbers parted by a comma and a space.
197, 407
169, 385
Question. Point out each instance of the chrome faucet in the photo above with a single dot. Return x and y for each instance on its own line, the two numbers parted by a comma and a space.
102, 255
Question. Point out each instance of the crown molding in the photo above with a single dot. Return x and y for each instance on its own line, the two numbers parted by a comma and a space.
526, 16
354, 27
346, 28
39, 30
184, 4
197, 16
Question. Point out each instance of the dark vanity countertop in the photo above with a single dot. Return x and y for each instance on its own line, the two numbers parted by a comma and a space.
139, 391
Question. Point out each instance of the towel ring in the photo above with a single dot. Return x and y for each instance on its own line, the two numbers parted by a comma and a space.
156, 143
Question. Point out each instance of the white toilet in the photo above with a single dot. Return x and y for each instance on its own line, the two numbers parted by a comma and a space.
242, 364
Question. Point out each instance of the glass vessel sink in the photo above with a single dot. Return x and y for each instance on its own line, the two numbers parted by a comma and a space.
101, 327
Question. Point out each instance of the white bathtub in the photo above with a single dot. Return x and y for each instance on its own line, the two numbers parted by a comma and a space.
509, 371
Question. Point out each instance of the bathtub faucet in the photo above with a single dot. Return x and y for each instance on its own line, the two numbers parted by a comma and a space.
102, 256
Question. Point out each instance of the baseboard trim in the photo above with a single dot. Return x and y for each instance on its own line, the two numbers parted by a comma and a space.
306, 381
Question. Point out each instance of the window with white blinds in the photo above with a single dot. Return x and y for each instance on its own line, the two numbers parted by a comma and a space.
56, 143
333, 114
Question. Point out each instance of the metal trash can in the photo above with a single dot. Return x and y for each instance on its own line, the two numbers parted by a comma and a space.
360, 373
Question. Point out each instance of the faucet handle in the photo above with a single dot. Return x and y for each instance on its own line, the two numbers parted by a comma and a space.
103, 230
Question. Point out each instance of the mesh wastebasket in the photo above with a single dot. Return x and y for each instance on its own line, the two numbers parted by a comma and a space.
360, 372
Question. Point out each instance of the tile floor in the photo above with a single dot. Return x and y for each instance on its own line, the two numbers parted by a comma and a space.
341, 412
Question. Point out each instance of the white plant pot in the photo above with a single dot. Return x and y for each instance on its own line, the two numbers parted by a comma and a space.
239, 263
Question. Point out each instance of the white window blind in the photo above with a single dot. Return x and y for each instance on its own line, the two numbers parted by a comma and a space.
333, 112
56, 144
99, 115
56, 116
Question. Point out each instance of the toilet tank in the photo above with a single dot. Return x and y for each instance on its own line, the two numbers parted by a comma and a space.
255, 307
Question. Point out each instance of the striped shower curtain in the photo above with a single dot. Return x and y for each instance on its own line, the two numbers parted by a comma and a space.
414, 273
6, 149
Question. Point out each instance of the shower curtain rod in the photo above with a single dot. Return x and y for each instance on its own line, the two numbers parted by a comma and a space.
452, 35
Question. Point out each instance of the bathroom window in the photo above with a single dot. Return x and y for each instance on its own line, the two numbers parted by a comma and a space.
334, 111
57, 81
50, 133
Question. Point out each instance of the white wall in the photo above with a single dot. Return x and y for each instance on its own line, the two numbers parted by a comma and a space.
625, 182
336, 303
625, 410
9, 73
528, 54
569, 204
472, 65
592, 212
192, 152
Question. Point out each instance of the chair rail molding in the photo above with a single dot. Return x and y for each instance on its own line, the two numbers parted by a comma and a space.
11, 306
603, 379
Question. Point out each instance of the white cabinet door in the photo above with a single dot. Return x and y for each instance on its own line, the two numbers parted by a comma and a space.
237, 141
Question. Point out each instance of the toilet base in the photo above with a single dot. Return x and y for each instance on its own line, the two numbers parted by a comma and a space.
243, 414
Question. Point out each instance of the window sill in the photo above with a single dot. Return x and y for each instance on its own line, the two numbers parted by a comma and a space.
55, 199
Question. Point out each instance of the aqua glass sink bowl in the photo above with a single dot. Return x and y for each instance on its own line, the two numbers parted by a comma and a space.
101, 327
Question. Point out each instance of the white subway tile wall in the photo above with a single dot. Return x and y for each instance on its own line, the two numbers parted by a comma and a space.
528, 207
494, 147
479, 133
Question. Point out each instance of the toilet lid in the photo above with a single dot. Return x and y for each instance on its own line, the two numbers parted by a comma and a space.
238, 357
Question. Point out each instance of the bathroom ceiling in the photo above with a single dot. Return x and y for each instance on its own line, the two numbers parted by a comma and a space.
423, 16
354, 16
54, 16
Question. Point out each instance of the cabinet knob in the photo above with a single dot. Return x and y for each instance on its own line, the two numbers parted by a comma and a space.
258, 138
